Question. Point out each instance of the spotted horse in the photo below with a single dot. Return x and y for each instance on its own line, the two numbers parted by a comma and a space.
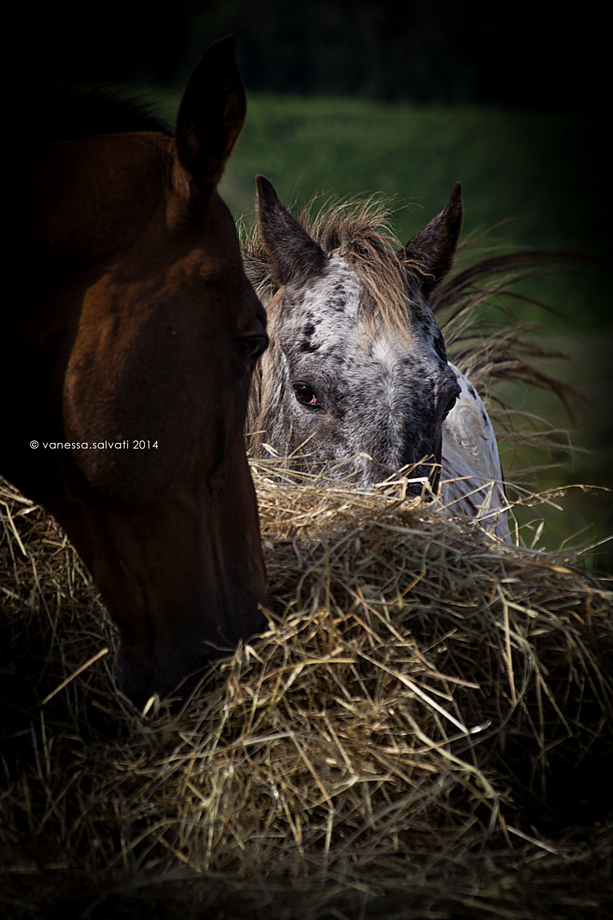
356, 384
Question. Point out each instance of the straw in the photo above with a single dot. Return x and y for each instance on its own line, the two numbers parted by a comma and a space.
425, 729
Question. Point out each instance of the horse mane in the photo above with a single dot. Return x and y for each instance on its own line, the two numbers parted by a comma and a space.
60, 113
361, 231
495, 349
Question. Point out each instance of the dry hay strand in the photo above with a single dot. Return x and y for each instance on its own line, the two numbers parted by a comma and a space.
428, 722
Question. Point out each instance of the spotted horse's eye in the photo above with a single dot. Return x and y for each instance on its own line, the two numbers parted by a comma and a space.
306, 396
253, 346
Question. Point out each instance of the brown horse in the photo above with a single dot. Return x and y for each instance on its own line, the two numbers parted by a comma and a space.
127, 353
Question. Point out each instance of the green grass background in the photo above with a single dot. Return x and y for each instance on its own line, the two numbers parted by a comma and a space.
540, 175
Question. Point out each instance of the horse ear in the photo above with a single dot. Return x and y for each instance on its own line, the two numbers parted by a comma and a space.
295, 256
433, 248
211, 114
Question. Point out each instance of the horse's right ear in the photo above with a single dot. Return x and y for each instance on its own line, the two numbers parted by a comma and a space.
295, 256
432, 249
211, 114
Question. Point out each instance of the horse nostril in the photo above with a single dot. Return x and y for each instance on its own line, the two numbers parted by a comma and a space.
450, 406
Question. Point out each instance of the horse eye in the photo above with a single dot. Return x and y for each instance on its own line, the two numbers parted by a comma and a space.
306, 395
253, 346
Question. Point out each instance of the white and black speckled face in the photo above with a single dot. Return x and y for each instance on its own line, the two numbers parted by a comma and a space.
349, 395
343, 390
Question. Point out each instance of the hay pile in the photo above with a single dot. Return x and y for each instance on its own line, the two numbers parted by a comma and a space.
426, 730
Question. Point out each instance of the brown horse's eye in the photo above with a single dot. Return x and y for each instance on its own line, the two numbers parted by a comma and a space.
306, 395
254, 345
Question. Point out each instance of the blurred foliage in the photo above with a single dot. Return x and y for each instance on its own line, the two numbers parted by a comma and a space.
404, 49
437, 51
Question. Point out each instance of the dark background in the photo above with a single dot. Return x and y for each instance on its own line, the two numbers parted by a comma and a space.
537, 57
530, 55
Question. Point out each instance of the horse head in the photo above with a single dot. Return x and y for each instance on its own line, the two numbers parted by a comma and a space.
133, 361
356, 382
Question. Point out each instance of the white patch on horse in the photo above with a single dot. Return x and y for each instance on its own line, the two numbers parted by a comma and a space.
472, 482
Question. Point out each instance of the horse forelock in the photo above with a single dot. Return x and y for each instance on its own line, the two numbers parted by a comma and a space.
359, 230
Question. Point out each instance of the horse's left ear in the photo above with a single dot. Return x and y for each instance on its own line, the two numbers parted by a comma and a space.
295, 256
432, 249
211, 114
